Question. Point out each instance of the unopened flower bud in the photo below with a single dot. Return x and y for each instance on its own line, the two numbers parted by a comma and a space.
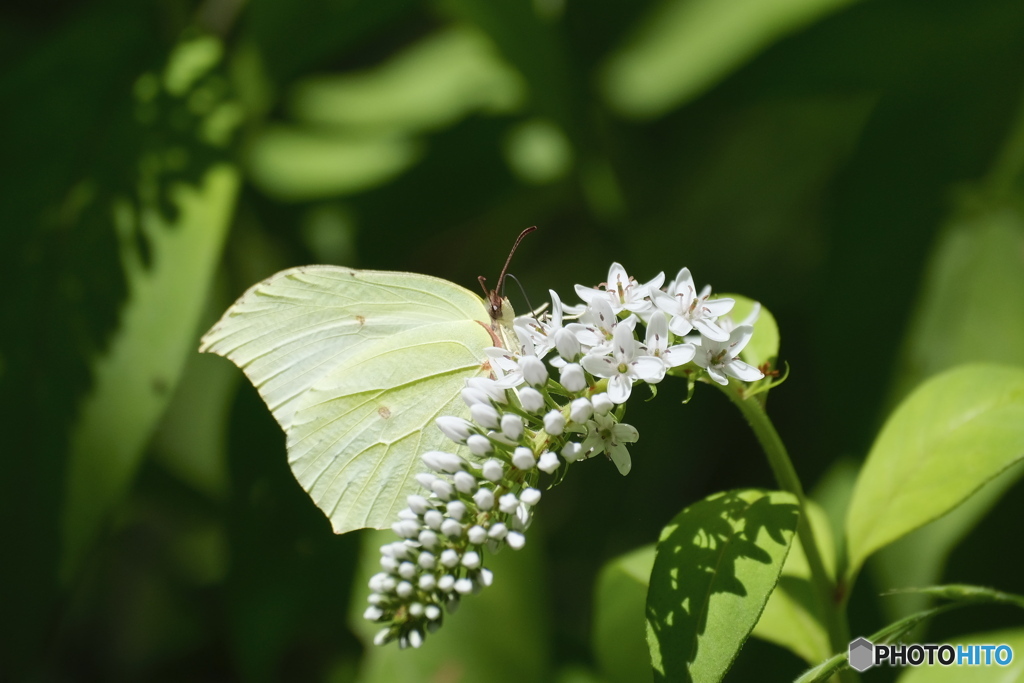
573, 377
535, 372
602, 403
512, 426
530, 496
548, 462
479, 444
484, 415
568, 347
580, 410
523, 459
554, 422
455, 428
493, 470
531, 400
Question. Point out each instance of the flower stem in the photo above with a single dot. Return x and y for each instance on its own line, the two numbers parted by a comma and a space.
831, 603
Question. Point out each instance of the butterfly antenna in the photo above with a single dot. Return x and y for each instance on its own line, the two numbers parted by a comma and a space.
529, 306
504, 271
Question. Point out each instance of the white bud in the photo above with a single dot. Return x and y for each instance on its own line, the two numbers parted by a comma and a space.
573, 378
416, 609
456, 509
508, 503
373, 613
450, 558
389, 584
464, 586
450, 527
465, 482
426, 560
446, 582
531, 400
442, 489
433, 519
515, 540
406, 528
602, 404
428, 582
476, 534
415, 638
428, 539
488, 386
512, 426
548, 462
568, 347
473, 396
534, 370
406, 513
523, 459
571, 452
376, 582
376, 599
484, 415
486, 577
530, 496
400, 550
443, 462
580, 410
417, 504
493, 470
405, 589
484, 499
479, 444
497, 531
383, 637
432, 612
471, 560
407, 570
554, 422
426, 479
455, 428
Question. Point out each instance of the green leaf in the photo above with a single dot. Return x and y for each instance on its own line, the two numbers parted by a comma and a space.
717, 562
135, 379
950, 437
170, 231
618, 639
1011, 673
978, 253
498, 636
791, 619
684, 47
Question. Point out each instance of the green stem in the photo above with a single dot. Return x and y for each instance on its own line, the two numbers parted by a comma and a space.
832, 604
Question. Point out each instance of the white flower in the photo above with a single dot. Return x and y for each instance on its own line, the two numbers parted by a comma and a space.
597, 326
605, 435
720, 358
622, 291
541, 331
690, 310
656, 343
624, 367
505, 367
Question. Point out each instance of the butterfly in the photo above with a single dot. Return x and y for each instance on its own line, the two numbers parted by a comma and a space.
355, 365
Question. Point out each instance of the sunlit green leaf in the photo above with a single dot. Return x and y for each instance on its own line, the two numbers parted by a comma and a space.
684, 46
951, 436
618, 637
791, 617
717, 562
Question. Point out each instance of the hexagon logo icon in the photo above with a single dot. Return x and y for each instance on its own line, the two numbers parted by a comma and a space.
862, 654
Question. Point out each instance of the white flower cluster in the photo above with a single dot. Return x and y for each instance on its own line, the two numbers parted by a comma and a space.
525, 423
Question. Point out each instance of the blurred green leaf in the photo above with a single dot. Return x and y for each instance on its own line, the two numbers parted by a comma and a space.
170, 240
538, 151
294, 163
717, 562
500, 635
432, 84
682, 47
944, 442
135, 379
791, 617
618, 638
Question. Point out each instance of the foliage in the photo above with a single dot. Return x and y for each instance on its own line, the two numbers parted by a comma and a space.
854, 166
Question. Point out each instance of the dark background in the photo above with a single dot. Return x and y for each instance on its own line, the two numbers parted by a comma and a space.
855, 166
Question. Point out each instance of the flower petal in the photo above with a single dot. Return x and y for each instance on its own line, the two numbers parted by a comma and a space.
709, 329
619, 388
601, 366
620, 456
679, 354
716, 307
649, 369
743, 371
